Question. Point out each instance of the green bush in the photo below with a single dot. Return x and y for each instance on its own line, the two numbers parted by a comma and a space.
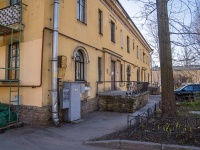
3, 107
197, 96
3, 121
4, 115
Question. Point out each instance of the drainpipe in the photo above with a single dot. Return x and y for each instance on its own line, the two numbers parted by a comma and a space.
151, 66
55, 64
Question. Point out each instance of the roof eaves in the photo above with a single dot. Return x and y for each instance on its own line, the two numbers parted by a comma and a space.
129, 18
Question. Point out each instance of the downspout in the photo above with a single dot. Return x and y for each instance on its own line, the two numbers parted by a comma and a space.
151, 66
55, 64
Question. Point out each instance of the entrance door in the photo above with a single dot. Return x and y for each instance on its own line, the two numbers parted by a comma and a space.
112, 75
128, 72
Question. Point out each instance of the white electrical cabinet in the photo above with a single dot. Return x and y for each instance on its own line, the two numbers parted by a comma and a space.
70, 100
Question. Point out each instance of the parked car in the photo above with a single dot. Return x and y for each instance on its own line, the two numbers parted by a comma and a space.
187, 92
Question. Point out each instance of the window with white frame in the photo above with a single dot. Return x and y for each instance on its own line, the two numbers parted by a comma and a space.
100, 13
81, 10
112, 29
99, 69
144, 56
128, 44
13, 61
121, 39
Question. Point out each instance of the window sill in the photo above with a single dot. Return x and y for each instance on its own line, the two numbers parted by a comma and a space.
82, 22
80, 81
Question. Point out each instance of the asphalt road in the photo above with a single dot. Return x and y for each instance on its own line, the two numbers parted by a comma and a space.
68, 136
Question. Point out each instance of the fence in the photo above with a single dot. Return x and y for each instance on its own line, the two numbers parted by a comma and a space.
132, 86
134, 120
170, 130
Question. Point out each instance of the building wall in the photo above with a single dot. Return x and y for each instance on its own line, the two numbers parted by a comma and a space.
30, 57
181, 76
37, 42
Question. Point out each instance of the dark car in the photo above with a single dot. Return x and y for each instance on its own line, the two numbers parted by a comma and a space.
187, 92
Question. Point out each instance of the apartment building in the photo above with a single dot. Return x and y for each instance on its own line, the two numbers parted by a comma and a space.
96, 42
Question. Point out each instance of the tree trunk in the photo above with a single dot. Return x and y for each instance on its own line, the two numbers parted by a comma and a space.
168, 97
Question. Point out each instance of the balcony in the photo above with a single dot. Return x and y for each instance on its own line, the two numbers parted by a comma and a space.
10, 19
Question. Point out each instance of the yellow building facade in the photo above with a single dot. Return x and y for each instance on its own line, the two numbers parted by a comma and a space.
97, 42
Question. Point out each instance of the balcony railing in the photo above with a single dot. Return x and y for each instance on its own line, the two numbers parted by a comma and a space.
10, 19
10, 15
132, 87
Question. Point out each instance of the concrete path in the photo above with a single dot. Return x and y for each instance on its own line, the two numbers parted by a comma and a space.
68, 136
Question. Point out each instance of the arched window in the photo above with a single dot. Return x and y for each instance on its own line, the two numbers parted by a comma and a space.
79, 66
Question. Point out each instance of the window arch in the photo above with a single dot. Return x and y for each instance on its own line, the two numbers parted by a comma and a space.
79, 66
81, 59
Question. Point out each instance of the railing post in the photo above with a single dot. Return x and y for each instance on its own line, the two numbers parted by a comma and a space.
148, 111
128, 121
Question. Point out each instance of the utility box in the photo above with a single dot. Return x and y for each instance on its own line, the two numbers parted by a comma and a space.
70, 101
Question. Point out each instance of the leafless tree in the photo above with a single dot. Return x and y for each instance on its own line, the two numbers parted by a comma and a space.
182, 32
169, 14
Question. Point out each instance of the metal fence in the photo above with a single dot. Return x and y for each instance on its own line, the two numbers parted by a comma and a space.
132, 87
170, 130
134, 120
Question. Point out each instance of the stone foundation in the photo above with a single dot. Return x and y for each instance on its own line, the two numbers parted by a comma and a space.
123, 104
154, 90
88, 106
41, 116
35, 116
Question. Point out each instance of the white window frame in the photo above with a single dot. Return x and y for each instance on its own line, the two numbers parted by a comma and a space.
81, 10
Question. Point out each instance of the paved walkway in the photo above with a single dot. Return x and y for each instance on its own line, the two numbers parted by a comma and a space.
68, 136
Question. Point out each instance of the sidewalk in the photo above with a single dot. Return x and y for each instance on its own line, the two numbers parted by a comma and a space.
68, 136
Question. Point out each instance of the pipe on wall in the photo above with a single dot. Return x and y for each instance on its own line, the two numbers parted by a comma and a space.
54, 84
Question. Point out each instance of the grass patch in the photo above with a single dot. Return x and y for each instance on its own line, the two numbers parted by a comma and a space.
195, 106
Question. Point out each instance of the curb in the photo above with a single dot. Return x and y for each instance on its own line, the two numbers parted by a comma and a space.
137, 145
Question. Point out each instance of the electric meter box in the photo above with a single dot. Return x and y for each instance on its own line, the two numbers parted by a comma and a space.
70, 101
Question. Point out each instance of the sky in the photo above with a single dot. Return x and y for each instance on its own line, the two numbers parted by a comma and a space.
133, 9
